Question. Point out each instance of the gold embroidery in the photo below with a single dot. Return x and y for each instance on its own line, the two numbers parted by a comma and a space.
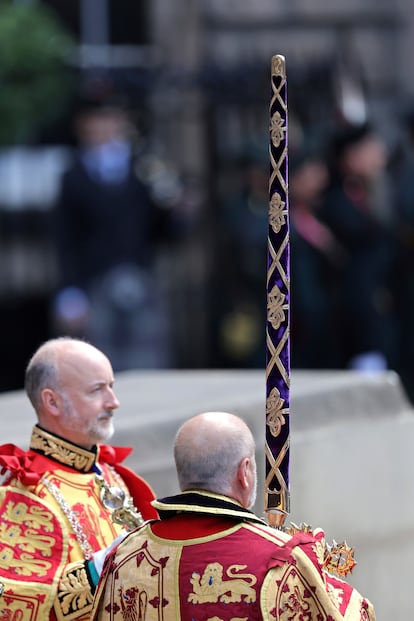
277, 128
275, 413
212, 588
33, 516
25, 565
277, 214
320, 551
74, 594
291, 593
28, 541
335, 594
16, 516
62, 451
276, 307
35, 574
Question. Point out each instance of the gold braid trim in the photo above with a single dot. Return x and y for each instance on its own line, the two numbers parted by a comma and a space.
61, 450
74, 597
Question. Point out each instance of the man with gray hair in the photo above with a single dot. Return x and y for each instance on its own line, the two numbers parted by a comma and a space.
209, 557
58, 499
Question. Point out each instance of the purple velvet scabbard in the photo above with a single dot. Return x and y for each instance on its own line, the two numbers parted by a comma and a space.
276, 490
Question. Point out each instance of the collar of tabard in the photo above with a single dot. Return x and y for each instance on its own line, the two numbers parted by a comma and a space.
62, 451
200, 501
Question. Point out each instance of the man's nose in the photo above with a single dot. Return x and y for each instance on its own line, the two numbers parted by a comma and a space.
112, 399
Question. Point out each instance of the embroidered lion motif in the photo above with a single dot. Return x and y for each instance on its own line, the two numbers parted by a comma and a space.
296, 607
133, 604
211, 587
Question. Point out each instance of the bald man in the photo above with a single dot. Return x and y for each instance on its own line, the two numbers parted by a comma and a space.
57, 500
209, 557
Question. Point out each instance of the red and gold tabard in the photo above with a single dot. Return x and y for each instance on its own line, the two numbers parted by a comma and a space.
208, 559
52, 522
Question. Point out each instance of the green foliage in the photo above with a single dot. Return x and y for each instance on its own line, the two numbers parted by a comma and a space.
34, 76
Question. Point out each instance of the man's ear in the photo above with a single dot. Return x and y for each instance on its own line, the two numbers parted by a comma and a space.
243, 473
50, 401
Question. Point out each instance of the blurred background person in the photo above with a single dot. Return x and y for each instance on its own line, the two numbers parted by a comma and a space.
356, 209
242, 242
108, 230
316, 257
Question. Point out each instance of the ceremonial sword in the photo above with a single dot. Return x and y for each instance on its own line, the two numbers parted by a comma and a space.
277, 441
339, 558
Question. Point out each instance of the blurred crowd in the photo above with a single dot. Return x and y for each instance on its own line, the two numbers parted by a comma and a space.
344, 249
351, 200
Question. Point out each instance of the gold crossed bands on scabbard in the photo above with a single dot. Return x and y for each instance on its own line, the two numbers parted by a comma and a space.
279, 308
275, 358
274, 471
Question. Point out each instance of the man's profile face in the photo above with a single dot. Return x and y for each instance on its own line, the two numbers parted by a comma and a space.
87, 398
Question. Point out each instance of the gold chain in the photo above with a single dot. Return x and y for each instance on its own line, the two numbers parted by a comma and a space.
71, 515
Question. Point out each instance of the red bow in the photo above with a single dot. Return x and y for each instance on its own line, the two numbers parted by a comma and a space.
27, 467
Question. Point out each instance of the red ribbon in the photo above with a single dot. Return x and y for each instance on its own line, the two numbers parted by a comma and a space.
25, 466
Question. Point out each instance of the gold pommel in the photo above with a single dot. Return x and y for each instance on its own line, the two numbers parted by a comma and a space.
279, 66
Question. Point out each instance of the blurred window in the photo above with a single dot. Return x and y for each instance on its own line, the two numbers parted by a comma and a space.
128, 19
69, 13
128, 22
